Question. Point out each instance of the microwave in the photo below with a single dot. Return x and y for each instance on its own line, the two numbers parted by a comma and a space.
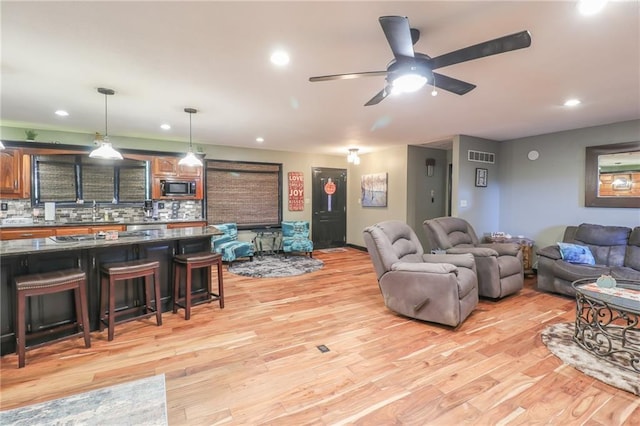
174, 188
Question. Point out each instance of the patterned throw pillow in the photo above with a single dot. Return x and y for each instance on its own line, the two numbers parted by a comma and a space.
575, 253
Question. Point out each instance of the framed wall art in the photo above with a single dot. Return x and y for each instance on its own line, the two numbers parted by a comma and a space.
374, 190
482, 176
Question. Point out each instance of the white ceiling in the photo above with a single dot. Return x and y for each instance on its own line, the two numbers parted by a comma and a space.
161, 57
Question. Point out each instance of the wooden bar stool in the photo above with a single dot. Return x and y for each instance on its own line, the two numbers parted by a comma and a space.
48, 283
111, 273
189, 262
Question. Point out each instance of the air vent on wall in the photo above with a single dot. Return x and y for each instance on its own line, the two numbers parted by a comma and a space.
481, 157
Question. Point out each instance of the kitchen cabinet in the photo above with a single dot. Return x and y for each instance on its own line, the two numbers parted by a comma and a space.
25, 233
170, 167
13, 182
52, 231
194, 224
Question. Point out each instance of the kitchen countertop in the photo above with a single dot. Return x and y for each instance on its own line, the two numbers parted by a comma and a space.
96, 223
40, 245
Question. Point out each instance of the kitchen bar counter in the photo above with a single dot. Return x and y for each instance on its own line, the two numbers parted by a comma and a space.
50, 244
96, 223
38, 255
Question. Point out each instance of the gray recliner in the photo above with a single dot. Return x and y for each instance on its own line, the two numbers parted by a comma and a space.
429, 287
498, 265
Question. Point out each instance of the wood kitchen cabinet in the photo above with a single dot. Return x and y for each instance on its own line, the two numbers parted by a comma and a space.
51, 231
194, 224
170, 167
26, 233
13, 182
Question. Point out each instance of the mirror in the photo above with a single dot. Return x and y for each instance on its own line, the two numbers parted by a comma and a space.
612, 175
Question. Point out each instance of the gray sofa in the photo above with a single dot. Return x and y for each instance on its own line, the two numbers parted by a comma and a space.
430, 287
616, 251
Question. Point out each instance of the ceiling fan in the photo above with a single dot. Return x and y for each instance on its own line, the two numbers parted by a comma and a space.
410, 70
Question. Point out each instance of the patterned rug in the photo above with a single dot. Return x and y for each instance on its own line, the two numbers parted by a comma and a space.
141, 402
559, 340
276, 266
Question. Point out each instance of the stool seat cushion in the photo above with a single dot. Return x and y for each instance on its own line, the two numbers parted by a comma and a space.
203, 256
129, 267
49, 279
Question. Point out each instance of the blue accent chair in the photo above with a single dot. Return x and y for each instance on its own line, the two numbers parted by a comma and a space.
228, 245
295, 237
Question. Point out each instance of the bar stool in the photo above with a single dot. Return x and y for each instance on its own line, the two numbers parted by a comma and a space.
48, 283
111, 273
189, 262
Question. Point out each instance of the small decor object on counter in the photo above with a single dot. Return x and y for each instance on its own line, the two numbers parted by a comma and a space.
606, 281
111, 235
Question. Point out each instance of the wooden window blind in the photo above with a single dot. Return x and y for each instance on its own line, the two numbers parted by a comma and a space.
249, 194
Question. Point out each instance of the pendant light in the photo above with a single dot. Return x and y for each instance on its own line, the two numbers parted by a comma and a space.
353, 156
190, 159
105, 150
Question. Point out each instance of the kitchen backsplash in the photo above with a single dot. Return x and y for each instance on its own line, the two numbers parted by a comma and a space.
173, 210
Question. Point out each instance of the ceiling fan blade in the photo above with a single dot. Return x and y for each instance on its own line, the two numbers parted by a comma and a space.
452, 85
379, 97
348, 76
398, 33
492, 47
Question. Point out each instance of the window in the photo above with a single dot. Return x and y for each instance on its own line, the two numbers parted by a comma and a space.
249, 194
67, 178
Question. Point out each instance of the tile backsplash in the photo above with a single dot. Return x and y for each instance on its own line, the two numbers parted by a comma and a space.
173, 210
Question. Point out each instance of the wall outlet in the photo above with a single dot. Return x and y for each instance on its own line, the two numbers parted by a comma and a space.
4, 207
463, 203
161, 205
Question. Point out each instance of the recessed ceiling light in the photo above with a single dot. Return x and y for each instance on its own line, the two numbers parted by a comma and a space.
280, 58
165, 126
591, 7
259, 139
62, 113
572, 102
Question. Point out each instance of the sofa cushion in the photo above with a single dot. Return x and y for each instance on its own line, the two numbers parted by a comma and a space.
624, 273
571, 272
632, 255
607, 243
576, 253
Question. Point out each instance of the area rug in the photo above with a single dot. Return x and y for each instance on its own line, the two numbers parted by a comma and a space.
276, 266
559, 340
140, 402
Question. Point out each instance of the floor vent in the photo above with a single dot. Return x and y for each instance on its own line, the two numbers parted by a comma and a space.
481, 157
323, 348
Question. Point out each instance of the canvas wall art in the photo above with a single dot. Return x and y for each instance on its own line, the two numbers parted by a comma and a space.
374, 190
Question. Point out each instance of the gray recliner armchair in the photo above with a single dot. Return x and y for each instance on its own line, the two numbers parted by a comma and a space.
429, 287
498, 265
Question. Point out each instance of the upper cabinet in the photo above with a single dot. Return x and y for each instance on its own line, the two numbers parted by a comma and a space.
169, 167
13, 182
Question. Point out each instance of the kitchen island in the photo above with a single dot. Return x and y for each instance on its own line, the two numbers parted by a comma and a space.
88, 252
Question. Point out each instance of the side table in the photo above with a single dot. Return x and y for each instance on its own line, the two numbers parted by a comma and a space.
267, 241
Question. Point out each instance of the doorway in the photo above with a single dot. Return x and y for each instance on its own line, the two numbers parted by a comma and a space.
329, 206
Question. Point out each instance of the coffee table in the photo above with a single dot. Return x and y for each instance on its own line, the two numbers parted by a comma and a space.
607, 321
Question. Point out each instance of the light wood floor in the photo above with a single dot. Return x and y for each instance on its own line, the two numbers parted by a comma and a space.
256, 361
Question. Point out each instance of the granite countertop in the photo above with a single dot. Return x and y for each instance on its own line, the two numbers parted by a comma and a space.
97, 223
40, 245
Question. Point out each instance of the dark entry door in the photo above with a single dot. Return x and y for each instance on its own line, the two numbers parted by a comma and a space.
329, 204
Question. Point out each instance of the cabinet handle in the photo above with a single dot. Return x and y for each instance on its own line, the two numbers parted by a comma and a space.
15, 184
26, 235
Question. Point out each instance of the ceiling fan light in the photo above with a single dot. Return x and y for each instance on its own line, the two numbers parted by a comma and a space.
105, 151
407, 83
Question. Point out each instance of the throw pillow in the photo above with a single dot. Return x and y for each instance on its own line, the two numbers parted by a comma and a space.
575, 253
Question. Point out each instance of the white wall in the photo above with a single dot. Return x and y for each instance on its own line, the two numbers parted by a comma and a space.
540, 198
392, 161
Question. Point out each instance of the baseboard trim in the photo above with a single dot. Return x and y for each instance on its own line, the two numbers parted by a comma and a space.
358, 247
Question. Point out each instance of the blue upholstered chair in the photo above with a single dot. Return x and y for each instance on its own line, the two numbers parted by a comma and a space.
228, 245
295, 237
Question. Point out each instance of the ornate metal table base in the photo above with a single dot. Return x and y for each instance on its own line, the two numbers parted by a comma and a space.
606, 330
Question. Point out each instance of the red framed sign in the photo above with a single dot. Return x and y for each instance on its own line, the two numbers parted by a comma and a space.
296, 191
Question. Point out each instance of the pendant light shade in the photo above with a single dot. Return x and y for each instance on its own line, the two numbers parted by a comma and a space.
190, 159
353, 156
105, 150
